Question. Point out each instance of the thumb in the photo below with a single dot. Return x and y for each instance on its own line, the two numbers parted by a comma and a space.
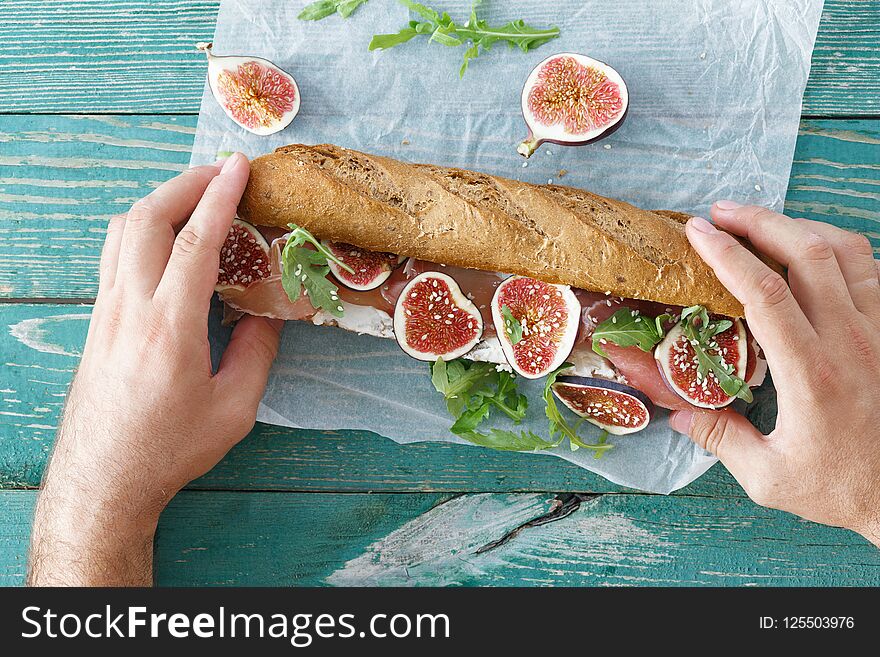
244, 367
728, 435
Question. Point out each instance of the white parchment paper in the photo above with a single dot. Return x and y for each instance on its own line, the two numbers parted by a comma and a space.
715, 99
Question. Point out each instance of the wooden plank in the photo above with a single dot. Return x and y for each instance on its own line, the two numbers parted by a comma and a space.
137, 56
40, 344
61, 178
313, 539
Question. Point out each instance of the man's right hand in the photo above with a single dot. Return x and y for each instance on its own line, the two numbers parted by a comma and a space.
820, 333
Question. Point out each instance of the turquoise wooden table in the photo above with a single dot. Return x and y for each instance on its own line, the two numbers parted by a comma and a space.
98, 105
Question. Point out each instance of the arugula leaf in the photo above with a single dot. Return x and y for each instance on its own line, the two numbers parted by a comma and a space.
699, 330
476, 32
512, 326
304, 268
472, 390
459, 379
559, 427
627, 328
383, 41
509, 441
602, 440
323, 8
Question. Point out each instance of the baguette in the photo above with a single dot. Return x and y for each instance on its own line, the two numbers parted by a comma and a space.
456, 217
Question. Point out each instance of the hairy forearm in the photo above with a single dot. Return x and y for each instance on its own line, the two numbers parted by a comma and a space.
93, 556
92, 527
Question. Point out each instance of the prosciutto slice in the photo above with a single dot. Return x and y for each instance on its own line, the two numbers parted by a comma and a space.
266, 297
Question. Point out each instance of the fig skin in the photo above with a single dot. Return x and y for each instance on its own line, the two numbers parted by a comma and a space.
457, 299
532, 142
388, 264
232, 65
529, 145
260, 242
663, 354
614, 387
566, 340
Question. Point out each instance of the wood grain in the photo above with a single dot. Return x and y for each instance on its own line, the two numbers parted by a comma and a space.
118, 56
273, 539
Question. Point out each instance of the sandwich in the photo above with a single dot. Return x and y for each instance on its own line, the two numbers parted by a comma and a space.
606, 302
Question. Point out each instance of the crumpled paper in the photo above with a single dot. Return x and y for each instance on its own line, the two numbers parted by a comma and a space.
715, 98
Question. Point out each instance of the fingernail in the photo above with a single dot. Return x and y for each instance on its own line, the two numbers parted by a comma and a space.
219, 163
681, 421
727, 205
701, 225
230, 163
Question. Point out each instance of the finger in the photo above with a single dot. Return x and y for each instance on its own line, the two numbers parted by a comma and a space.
729, 436
855, 256
774, 317
110, 252
189, 279
814, 274
150, 227
244, 368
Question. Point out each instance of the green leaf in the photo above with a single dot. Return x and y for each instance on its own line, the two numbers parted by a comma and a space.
383, 41
347, 7
459, 380
512, 327
305, 268
509, 441
471, 390
477, 33
442, 36
602, 440
422, 10
627, 328
318, 10
323, 8
471, 53
559, 426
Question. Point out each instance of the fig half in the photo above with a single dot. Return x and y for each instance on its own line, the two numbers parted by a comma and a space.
547, 318
433, 319
571, 99
618, 408
256, 94
678, 362
371, 268
244, 257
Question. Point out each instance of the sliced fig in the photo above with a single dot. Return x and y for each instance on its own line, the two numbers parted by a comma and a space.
572, 99
678, 362
256, 94
244, 258
433, 319
371, 268
619, 409
549, 316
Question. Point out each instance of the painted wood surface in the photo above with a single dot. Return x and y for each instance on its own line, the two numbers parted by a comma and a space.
137, 56
62, 177
315, 539
326, 508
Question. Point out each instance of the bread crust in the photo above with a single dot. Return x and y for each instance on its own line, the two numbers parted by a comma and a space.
457, 217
